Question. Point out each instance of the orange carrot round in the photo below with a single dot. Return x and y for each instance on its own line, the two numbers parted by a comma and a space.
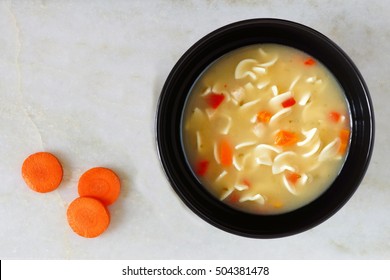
100, 183
42, 172
88, 217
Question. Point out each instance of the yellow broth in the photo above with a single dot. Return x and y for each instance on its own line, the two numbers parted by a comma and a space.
266, 129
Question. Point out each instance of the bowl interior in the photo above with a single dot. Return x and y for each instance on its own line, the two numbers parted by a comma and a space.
173, 98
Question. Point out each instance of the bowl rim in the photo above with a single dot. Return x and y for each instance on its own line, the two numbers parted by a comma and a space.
183, 75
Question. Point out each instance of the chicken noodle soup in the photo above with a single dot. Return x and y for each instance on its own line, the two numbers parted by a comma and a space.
266, 128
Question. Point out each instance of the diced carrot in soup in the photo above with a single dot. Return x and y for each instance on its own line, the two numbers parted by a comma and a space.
234, 197
335, 116
226, 152
246, 182
201, 167
310, 62
293, 177
264, 116
344, 138
285, 138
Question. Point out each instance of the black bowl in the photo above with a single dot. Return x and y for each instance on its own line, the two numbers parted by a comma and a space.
173, 98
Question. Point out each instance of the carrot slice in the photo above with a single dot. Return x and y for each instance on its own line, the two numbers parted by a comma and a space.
344, 139
201, 167
88, 217
289, 102
310, 61
264, 116
215, 99
285, 138
100, 183
42, 172
226, 153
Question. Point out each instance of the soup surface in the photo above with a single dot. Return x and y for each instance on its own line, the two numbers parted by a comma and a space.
266, 129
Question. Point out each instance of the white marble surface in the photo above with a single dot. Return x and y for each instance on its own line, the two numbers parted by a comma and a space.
82, 78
